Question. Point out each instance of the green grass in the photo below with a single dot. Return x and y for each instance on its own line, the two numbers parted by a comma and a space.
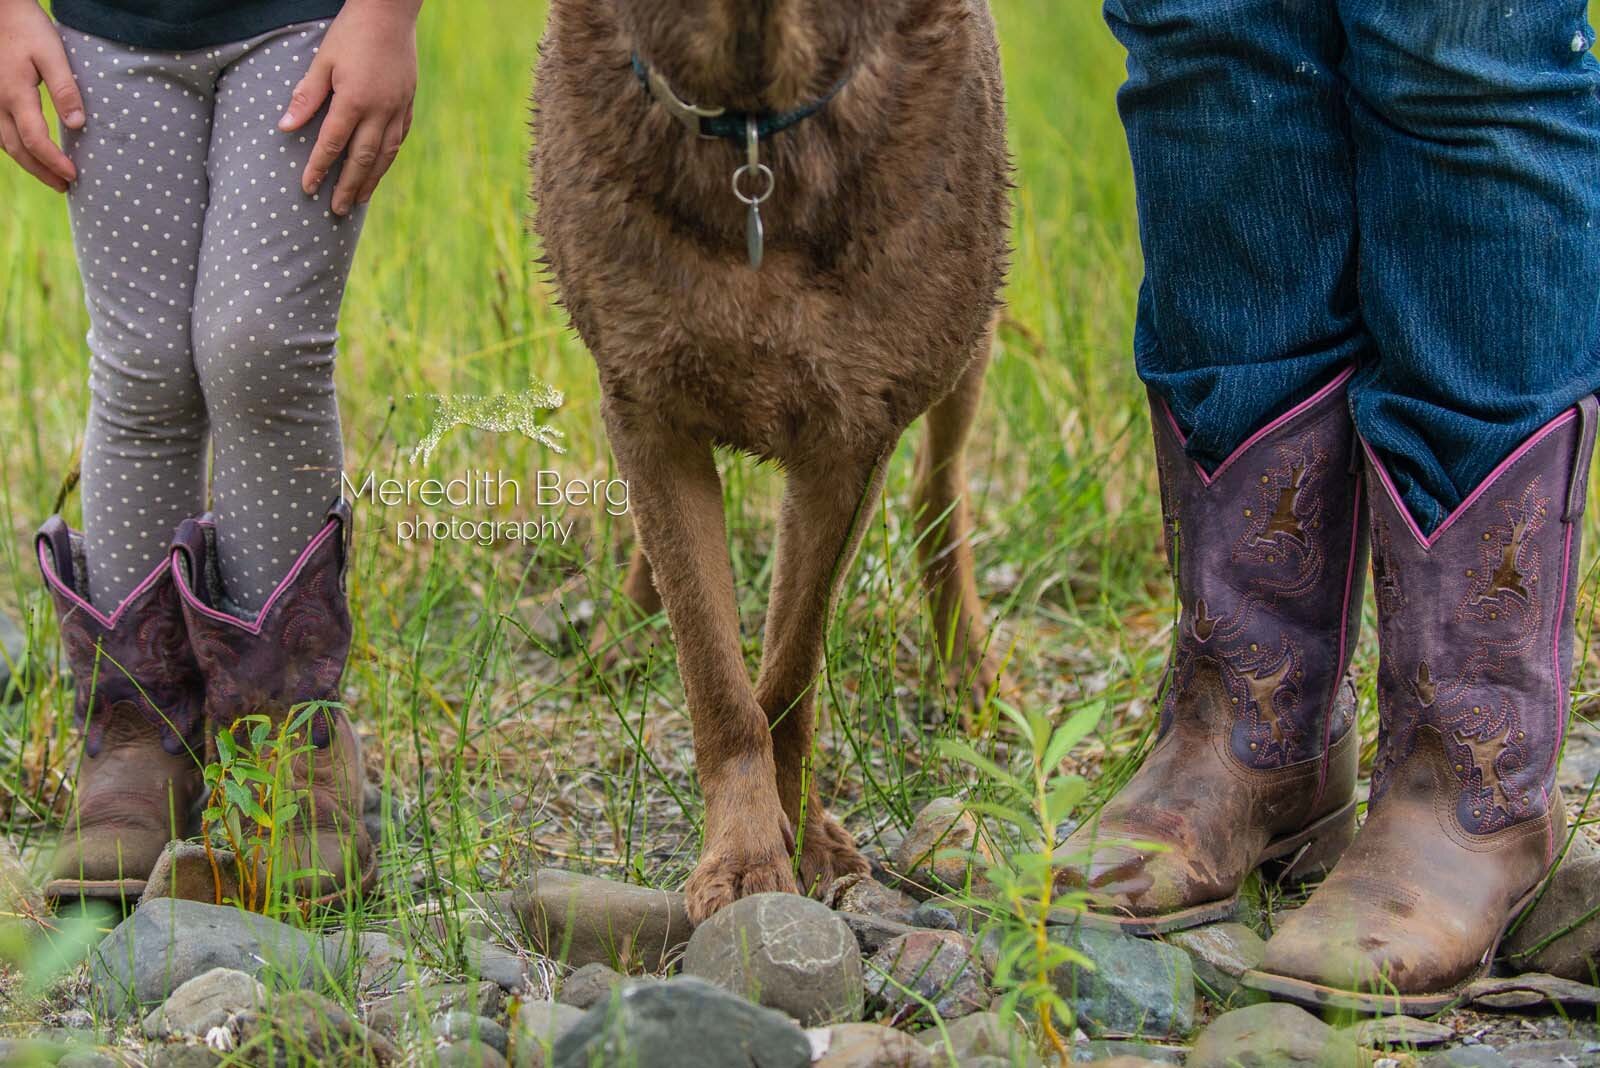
501, 747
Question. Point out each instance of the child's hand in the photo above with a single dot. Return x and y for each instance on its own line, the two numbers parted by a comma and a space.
368, 61
30, 53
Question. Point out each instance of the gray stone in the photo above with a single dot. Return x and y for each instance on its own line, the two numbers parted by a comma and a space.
1137, 987
942, 851
537, 1026
187, 1056
783, 951
453, 1026
1222, 953
208, 1000
468, 1054
1560, 934
936, 917
89, 1058
983, 1034
1273, 1036
1110, 1051
505, 968
685, 1023
380, 963
1402, 1031
1552, 1053
937, 967
589, 986
1464, 1057
864, 1045
580, 920
403, 1010
184, 870
1123, 1061
1532, 991
168, 941
302, 1027
872, 932
865, 896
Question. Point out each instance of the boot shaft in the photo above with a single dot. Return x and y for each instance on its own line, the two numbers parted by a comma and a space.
132, 666
1267, 553
292, 651
1476, 621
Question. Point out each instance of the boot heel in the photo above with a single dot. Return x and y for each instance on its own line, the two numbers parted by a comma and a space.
1322, 850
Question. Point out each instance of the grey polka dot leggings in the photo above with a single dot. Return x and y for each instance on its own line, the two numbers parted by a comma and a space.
213, 285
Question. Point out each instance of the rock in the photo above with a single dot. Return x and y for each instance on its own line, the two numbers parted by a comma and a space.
943, 850
936, 917
783, 951
872, 932
1110, 1051
537, 1026
1221, 953
183, 870
1124, 1061
303, 1027
168, 941
1552, 1053
589, 986
935, 966
1403, 1031
1532, 991
453, 1026
183, 1057
1560, 934
582, 920
1273, 1036
468, 1054
864, 1045
865, 896
380, 962
1464, 1057
209, 1000
89, 1058
396, 1012
1137, 987
501, 966
685, 1023
982, 1034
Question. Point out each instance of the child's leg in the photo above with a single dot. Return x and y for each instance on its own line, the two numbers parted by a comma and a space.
272, 274
136, 213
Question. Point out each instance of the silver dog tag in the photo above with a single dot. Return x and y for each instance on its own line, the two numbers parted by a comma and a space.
755, 236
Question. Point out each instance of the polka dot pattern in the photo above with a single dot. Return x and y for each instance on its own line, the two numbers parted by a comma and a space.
213, 285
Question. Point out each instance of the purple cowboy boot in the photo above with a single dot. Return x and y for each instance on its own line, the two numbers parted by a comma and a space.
1475, 640
139, 701
1256, 757
289, 654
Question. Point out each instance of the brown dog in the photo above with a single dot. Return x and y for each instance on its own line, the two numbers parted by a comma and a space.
881, 253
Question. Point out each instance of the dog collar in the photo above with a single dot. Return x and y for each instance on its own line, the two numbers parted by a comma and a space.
715, 122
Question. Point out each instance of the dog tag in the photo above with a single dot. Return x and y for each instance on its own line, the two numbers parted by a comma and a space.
755, 236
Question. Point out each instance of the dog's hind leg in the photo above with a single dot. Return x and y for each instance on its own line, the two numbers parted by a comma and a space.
825, 508
677, 503
972, 665
637, 600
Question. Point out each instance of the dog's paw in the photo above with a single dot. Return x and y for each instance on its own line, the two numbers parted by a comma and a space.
828, 853
725, 875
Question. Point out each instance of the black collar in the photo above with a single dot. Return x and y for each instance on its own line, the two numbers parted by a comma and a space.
720, 122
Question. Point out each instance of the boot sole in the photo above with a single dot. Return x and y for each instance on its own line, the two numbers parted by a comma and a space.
1322, 843
122, 891
1319, 995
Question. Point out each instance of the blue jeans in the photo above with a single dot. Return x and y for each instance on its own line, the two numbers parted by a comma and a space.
1412, 186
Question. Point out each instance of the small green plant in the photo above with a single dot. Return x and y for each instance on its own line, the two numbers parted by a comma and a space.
251, 800
1022, 893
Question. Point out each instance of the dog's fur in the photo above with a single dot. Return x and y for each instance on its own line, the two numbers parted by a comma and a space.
887, 245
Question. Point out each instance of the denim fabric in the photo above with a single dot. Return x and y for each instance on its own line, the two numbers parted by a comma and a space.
1407, 185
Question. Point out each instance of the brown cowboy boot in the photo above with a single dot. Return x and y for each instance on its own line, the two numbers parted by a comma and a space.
1256, 757
139, 702
290, 653
1475, 641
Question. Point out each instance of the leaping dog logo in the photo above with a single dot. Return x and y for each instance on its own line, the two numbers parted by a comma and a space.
501, 413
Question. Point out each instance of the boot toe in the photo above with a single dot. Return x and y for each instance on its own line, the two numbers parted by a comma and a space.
1122, 879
